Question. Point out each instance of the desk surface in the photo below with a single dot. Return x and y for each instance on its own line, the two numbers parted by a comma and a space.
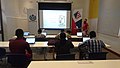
42, 44
76, 64
37, 44
53, 36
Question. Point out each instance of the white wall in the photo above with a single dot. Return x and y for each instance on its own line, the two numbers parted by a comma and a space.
106, 23
81, 4
93, 23
9, 17
15, 14
109, 16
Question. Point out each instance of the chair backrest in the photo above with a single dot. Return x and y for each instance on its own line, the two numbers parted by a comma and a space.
51, 41
97, 56
17, 59
41, 39
65, 57
2, 52
75, 39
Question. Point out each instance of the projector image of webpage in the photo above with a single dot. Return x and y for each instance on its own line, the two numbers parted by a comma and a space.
58, 19
54, 19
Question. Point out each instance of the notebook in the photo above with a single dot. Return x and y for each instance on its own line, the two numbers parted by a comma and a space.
30, 40
26, 33
79, 34
85, 38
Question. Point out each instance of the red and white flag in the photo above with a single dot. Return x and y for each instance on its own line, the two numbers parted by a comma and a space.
76, 20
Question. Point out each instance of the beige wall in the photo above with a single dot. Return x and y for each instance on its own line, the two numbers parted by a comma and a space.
109, 23
81, 4
9, 16
15, 15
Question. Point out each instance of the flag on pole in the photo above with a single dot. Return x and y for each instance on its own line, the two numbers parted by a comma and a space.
76, 21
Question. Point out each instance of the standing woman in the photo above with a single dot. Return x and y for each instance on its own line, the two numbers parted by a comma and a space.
85, 27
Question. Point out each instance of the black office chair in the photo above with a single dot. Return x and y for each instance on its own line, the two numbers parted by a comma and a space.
2, 53
65, 57
18, 60
97, 56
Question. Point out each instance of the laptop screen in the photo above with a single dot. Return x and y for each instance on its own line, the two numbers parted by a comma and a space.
79, 33
26, 33
85, 38
30, 40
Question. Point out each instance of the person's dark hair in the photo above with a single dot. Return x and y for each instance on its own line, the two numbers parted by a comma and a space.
68, 31
62, 30
62, 35
19, 33
92, 34
39, 31
85, 19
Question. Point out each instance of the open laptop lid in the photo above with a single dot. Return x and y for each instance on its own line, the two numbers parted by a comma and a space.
85, 38
26, 33
30, 40
44, 33
79, 34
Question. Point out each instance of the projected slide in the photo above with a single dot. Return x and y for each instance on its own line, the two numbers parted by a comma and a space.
54, 18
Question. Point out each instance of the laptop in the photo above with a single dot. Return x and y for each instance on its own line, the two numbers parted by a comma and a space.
26, 33
44, 33
30, 40
85, 38
79, 34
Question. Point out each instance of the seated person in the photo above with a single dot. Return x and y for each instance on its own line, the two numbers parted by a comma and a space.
63, 46
90, 46
20, 46
39, 35
58, 35
67, 32
85, 28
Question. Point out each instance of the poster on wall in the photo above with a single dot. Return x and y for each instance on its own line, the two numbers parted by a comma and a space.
32, 20
31, 15
76, 21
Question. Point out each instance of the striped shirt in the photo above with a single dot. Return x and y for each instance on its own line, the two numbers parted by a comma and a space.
92, 45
